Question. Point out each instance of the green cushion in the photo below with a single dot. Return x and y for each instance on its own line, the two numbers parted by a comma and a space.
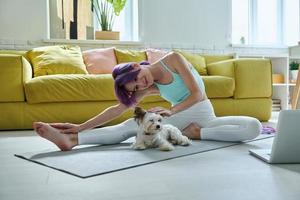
64, 59
219, 86
74, 88
216, 58
196, 60
125, 56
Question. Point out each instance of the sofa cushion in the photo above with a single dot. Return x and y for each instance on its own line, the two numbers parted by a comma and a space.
73, 87
217, 58
125, 56
68, 88
253, 78
100, 61
219, 86
62, 59
196, 60
221, 68
259, 108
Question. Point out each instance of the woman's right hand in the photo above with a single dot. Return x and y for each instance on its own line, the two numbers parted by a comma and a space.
67, 128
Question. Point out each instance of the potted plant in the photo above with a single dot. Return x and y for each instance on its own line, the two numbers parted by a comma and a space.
106, 11
294, 66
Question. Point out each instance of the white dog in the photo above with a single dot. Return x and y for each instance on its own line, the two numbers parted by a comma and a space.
152, 133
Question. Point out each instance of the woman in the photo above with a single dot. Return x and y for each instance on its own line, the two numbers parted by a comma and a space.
176, 81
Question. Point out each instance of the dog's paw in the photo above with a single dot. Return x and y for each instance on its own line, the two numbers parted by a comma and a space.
166, 147
185, 141
138, 146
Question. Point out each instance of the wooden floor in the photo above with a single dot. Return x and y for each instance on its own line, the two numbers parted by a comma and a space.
229, 173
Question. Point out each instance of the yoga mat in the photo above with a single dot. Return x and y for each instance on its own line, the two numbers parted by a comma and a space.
95, 160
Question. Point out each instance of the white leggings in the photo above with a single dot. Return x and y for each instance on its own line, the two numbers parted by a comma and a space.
231, 128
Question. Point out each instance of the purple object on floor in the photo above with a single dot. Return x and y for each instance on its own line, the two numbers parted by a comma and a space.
268, 130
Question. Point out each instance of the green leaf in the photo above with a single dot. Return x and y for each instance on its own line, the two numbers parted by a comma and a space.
106, 10
118, 5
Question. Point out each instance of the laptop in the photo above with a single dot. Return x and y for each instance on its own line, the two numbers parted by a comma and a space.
286, 144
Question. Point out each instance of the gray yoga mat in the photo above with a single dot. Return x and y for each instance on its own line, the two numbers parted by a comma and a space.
95, 160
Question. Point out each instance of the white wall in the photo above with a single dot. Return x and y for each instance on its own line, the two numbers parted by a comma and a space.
24, 19
204, 23
198, 22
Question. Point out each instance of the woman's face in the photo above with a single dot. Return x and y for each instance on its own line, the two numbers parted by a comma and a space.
143, 80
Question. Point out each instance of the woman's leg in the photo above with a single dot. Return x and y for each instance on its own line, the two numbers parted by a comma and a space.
192, 131
109, 134
231, 128
199, 113
202, 113
200, 122
106, 135
120, 132
236, 128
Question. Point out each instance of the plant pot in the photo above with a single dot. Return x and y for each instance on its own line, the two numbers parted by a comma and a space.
294, 74
107, 35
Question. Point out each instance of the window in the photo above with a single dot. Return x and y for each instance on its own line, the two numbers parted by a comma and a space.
291, 22
127, 22
267, 22
240, 21
74, 20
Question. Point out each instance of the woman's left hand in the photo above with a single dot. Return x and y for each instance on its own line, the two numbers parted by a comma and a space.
161, 111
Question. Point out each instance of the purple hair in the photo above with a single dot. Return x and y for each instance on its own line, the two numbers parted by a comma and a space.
122, 74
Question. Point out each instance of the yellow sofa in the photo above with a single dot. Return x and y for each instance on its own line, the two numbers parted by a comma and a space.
235, 87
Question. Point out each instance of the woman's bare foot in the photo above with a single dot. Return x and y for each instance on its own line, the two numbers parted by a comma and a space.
192, 131
64, 141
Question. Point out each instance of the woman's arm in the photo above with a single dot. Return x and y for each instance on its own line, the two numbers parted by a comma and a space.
114, 111
105, 116
181, 66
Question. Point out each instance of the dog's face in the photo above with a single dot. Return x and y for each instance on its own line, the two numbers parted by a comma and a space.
151, 123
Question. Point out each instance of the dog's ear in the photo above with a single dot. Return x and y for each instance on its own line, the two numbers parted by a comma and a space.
139, 114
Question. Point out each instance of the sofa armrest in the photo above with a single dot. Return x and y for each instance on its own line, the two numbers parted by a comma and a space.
222, 68
15, 70
253, 78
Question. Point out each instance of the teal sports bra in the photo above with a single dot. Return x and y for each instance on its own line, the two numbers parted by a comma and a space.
176, 91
